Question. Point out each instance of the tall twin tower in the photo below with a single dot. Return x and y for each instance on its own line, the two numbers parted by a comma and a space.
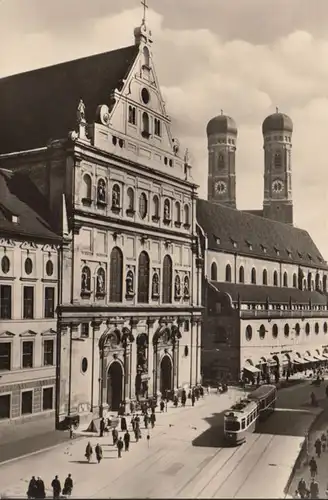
277, 132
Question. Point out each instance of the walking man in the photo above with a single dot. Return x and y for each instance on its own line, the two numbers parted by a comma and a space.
99, 453
56, 487
127, 440
115, 436
152, 420
119, 447
68, 486
313, 467
317, 446
102, 426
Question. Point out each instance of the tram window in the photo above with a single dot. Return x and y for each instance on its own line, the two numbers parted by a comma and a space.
232, 425
248, 422
243, 423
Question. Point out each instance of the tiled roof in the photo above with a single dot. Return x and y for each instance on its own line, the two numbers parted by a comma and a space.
40, 105
20, 198
231, 230
275, 294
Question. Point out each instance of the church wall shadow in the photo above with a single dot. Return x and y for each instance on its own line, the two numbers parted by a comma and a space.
213, 436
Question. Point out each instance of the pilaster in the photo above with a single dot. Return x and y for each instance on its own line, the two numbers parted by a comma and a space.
150, 322
133, 359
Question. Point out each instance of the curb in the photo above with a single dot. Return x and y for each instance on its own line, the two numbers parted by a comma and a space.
302, 450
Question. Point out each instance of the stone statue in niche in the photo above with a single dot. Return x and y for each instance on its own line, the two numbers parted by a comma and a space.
101, 192
186, 286
100, 282
155, 285
85, 285
166, 211
116, 197
129, 283
177, 286
81, 112
166, 335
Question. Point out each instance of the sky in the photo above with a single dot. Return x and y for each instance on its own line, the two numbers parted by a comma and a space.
243, 56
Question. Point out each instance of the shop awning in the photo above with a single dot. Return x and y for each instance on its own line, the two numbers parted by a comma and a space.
310, 359
319, 357
298, 360
251, 368
285, 361
325, 355
271, 362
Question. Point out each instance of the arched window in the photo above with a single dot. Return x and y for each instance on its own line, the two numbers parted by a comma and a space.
116, 275
309, 281
324, 283
297, 329
130, 196
265, 277
221, 161
214, 271
316, 328
177, 213
155, 207
249, 332
307, 328
275, 331
285, 279
275, 278
145, 125
5, 265
241, 274
100, 281
294, 280
253, 276
86, 187
186, 215
146, 56
143, 205
286, 330
101, 191
262, 331
317, 281
132, 115
167, 280
143, 278
277, 159
228, 273
116, 196
85, 279
167, 211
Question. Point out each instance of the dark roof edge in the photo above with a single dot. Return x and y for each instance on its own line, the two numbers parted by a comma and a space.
27, 235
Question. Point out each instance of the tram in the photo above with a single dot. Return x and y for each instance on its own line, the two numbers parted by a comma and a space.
243, 416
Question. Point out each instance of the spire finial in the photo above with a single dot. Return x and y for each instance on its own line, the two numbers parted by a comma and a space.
277, 109
221, 112
145, 7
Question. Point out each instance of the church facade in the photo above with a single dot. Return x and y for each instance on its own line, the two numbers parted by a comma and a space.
129, 311
265, 281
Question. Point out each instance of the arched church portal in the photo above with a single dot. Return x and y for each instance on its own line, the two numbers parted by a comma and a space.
114, 385
166, 374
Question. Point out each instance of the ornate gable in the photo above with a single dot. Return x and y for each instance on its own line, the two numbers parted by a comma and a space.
28, 333
28, 245
49, 248
49, 333
6, 334
6, 242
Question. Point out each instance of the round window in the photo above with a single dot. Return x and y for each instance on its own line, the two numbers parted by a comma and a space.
5, 264
316, 328
28, 266
249, 332
286, 330
143, 205
297, 328
275, 331
49, 268
84, 365
307, 328
262, 331
145, 96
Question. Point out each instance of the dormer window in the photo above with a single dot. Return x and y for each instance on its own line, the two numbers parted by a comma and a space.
234, 243
145, 126
146, 57
249, 244
289, 253
300, 255
276, 249
132, 115
263, 248
157, 127
15, 219
310, 256
217, 240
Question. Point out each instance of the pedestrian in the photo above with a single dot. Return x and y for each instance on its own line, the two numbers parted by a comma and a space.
152, 420
40, 489
56, 487
193, 398
137, 420
102, 427
123, 424
109, 423
133, 422
162, 405
313, 467
126, 439
119, 447
317, 446
302, 489
88, 452
68, 486
32, 488
115, 436
323, 441
175, 401
99, 453
314, 489
197, 393
183, 397
132, 407
146, 420
201, 391
136, 434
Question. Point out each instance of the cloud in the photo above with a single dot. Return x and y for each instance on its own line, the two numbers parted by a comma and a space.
200, 73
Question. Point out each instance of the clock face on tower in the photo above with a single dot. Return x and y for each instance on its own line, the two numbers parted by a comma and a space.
220, 187
277, 186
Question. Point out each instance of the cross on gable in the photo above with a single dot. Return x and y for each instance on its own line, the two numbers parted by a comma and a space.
145, 7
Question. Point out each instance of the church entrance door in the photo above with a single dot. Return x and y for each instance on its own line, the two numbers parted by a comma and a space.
166, 375
114, 385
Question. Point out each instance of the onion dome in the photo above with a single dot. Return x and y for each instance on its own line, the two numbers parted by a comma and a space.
221, 124
277, 122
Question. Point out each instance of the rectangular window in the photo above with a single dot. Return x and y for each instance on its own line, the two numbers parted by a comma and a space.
28, 354
48, 352
85, 330
186, 326
243, 423
49, 302
157, 127
5, 403
47, 398
5, 302
28, 307
27, 402
5, 356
